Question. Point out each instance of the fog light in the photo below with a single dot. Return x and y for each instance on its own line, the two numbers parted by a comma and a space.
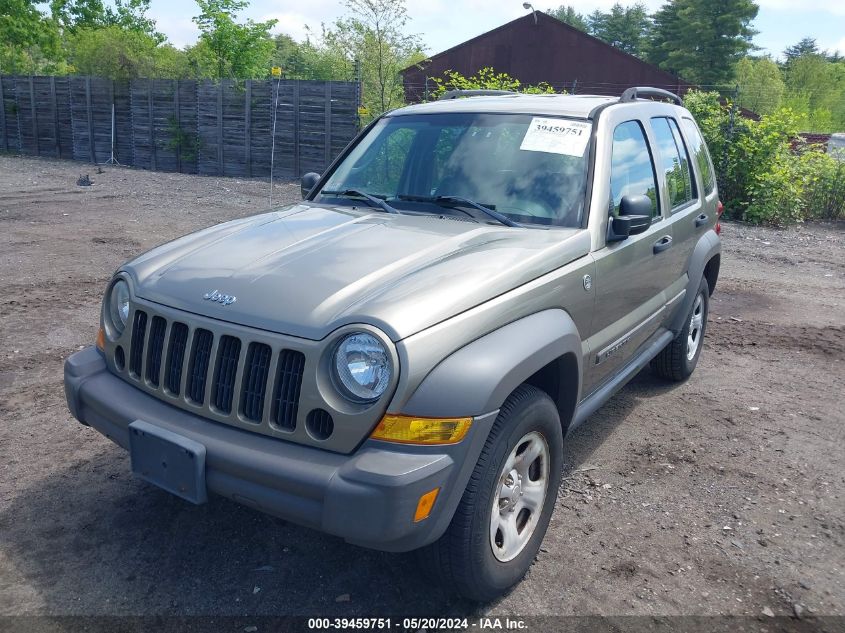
425, 504
415, 430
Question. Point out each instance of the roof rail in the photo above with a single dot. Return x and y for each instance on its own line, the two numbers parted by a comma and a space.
632, 94
456, 94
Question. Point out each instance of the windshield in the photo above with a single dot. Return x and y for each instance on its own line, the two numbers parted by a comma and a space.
532, 170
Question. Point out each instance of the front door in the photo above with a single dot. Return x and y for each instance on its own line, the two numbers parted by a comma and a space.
631, 275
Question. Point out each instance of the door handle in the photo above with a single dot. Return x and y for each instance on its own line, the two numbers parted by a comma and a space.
662, 244
701, 220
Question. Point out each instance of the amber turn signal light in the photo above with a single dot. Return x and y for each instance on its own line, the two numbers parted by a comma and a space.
406, 429
425, 504
101, 340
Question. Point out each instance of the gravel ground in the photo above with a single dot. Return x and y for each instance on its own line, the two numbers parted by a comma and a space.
723, 495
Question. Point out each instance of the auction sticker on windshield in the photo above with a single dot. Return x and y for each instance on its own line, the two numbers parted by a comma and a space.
556, 136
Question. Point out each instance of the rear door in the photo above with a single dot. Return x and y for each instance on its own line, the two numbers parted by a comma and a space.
689, 223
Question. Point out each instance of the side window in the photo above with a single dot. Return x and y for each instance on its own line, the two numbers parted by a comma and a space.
700, 155
632, 169
674, 161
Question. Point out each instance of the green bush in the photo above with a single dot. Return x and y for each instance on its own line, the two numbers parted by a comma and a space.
775, 195
824, 185
484, 79
762, 178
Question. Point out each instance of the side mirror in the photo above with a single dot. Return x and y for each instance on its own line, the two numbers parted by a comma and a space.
308, 182
634, 217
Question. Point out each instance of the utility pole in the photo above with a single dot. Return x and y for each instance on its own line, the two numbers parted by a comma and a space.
731, 117
357, 69
733, 109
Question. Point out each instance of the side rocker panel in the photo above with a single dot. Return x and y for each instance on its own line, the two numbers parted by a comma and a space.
479, 377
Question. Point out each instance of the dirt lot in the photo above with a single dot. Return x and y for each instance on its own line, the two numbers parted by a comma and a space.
724, 495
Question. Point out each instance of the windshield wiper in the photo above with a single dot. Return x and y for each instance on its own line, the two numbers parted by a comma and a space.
355, 193
456, 201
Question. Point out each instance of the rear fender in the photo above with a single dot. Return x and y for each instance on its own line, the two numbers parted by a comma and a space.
708, 246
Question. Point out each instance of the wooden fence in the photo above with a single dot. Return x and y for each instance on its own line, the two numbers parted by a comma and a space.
199, 127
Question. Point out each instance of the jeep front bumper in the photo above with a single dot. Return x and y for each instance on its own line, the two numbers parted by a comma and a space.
368, 497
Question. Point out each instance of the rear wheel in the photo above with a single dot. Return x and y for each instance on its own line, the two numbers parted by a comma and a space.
678, 359
505, 509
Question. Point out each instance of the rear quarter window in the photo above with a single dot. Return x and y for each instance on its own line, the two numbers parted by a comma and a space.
700, 155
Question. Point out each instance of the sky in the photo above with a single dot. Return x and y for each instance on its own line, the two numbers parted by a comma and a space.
445, 23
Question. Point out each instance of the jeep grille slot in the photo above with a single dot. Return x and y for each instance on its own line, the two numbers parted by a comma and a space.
255, 381
175, 357
139, 332
286, 392
224, 375
154, 349
198, 372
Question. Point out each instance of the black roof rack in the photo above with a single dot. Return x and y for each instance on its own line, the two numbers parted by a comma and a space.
456, 94
632, 94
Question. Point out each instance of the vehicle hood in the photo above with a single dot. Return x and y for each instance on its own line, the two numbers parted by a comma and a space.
307, 269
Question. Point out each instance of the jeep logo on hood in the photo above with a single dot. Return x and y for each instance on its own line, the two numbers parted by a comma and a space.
220, 297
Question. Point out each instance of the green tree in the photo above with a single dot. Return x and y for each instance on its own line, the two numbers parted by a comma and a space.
374, 33
815, 89
71, 15
74, 14
29, 40
702, 40
760, 84
568, 15
307, 60
172, 63
119, 53
228, 49
132, 14
287, 55
626, 28
807, 46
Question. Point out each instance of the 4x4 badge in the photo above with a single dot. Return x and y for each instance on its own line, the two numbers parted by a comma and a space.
220, 298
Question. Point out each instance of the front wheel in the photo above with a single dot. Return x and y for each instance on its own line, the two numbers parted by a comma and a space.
505, 510
678, 359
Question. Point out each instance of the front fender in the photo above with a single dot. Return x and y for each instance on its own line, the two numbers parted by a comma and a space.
479, 377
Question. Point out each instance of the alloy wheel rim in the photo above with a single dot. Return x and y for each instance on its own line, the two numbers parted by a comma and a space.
696, 327
519, 496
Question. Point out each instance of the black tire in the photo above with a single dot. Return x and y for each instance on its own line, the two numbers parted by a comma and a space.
462, 559
673, 362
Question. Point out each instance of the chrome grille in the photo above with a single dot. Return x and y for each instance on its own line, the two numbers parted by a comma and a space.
223, 374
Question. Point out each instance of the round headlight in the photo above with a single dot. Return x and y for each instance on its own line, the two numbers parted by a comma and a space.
361, 367
119, 306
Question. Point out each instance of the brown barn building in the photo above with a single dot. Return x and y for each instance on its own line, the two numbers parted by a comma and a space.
543, 50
